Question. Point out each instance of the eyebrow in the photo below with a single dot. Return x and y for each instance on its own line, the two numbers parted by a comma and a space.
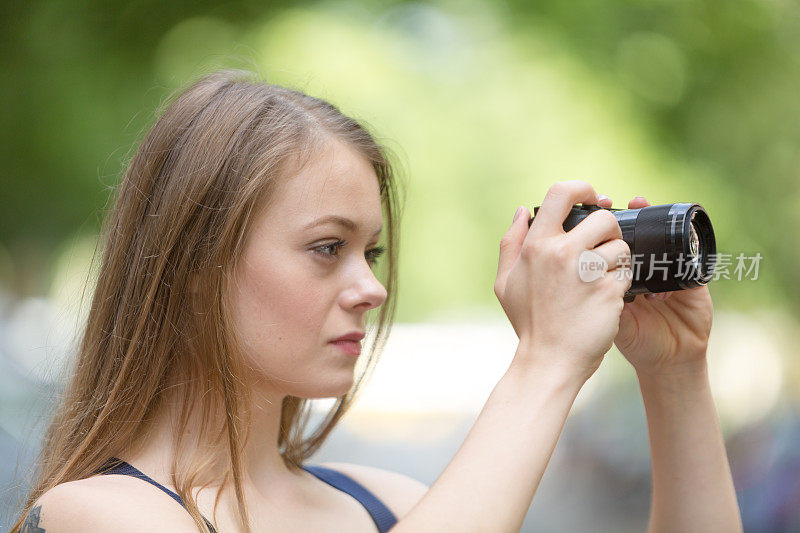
336, 219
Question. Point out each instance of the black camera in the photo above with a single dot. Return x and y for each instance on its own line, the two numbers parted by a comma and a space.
672, 245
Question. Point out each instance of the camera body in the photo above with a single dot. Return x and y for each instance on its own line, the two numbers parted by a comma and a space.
672, 245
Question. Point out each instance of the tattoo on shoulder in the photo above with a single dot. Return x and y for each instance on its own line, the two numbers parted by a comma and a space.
31, 523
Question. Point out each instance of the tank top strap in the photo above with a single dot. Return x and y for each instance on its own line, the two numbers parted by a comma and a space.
383, 517
118, 466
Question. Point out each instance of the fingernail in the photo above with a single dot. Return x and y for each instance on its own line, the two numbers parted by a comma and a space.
516, 215
602, 197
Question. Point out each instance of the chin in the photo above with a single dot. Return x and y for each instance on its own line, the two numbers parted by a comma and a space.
330, 387
333, 390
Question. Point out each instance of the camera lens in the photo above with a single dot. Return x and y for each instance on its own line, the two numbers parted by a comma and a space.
695, 240
701, 253
672, 245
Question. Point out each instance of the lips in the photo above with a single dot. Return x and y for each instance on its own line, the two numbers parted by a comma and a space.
353, 336
349, 343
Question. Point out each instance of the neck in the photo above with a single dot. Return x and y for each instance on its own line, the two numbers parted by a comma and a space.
262, 464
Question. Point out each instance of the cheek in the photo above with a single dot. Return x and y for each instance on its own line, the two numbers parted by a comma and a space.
279, 314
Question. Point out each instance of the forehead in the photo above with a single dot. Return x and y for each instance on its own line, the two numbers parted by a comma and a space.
337, 181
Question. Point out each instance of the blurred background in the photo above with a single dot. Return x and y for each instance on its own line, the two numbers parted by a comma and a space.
487, 104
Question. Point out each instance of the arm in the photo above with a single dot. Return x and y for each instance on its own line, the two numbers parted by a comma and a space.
491, 481
665, 338
489, 484
692, 484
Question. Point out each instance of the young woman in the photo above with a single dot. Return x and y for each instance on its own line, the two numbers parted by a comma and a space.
237, 274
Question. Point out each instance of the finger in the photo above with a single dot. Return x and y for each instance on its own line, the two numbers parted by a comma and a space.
622, 278
638, 202
616, 253
556, 205
511, 244
658, 297
599, 227
604, 201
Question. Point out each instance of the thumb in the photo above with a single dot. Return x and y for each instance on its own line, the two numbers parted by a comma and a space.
511, 244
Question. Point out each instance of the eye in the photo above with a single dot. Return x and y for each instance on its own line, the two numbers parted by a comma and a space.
331, 251
374, 254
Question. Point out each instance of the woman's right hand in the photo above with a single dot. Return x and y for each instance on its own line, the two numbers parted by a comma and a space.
566, 322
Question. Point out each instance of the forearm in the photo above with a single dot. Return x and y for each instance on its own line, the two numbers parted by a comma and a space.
490, 482
692, 484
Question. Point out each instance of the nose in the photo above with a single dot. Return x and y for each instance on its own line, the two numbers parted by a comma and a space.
365, 292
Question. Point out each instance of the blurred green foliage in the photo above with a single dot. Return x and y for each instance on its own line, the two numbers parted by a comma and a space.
486, 103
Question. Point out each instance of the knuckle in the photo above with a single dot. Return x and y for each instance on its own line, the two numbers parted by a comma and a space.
498, 290
534, 247
568, 187
530, 250
604, 218
561, 251
614, 231
625, 249
608, 217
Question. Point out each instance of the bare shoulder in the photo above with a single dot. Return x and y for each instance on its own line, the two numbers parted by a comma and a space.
105, 503
399, 492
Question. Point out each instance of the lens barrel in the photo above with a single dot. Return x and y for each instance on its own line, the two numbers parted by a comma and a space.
672, 245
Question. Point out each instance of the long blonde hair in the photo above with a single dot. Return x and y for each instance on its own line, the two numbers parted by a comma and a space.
181, 211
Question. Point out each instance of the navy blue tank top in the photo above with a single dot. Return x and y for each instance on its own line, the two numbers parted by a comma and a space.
381, 515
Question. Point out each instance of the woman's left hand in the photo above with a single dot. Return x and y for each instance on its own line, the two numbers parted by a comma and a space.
668, 332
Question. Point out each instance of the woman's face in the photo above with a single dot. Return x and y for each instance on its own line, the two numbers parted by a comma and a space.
296, 290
